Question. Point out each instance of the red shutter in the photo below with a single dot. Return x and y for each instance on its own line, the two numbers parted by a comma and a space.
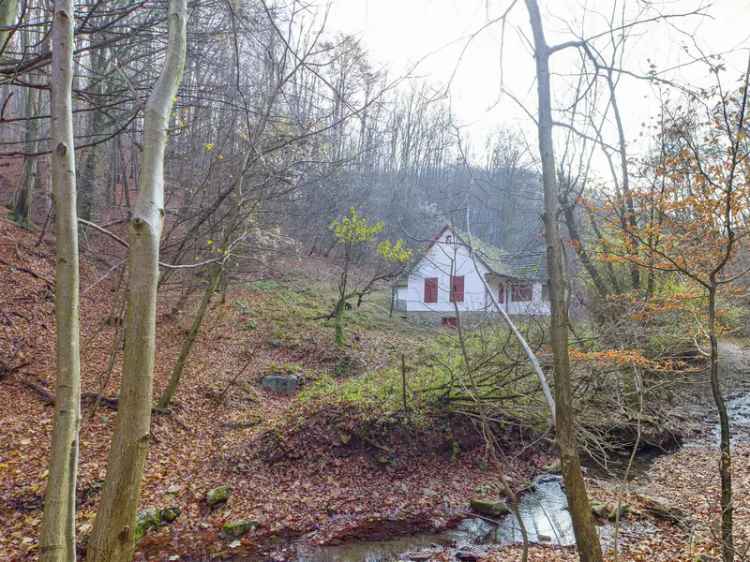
501, 293
457, 288
430, 289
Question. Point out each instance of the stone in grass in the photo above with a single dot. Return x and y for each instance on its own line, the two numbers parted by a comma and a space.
218, 495
490, 508
236, 529
281, 384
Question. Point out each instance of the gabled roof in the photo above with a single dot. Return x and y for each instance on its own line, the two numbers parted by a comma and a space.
521, 266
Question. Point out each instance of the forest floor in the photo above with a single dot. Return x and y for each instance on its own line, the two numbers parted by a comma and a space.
314, 486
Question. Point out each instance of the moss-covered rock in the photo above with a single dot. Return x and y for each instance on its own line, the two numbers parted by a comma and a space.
661, 509
609, 510
599, 508
218, 495
147, 519
153, 518
169, 514
490, 508
236, 529
623, 510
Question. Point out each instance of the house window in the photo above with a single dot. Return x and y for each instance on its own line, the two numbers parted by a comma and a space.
521, 293
430, 290
457, 288
449, 239
501, 293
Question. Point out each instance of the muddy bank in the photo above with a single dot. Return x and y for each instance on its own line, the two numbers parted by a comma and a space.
544, 508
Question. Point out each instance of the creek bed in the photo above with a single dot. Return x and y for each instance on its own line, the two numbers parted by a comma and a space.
543, 507
543, 510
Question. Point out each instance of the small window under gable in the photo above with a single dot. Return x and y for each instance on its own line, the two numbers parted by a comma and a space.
431, 290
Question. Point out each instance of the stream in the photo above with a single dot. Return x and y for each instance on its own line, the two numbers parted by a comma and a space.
543, 507
543, 510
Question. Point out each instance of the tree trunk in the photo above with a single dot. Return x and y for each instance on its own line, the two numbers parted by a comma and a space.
525, 345
725, 462
112, 539
25, 198
8, 15
92, 163
588, 264
339, 319
628, 211
341, 304
587, 539
57, 540
187, 345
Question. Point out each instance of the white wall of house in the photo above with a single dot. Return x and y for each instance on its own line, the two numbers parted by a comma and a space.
446, 258
537, 306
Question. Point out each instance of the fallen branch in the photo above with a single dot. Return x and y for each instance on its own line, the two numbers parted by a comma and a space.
50, 284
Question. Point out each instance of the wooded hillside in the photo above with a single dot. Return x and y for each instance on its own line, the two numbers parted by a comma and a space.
211, 206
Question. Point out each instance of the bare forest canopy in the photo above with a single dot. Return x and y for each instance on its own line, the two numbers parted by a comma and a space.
298, 124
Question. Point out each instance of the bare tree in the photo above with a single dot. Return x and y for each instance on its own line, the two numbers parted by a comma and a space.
57, 540
112, 539
587, 539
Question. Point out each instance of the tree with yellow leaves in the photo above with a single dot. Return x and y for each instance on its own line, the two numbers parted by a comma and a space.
354, 234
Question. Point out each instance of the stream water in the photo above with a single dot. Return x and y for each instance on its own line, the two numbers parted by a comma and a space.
543, 507
543, 510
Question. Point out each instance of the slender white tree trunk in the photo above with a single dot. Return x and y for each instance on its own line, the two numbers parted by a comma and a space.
57, 541
112, 539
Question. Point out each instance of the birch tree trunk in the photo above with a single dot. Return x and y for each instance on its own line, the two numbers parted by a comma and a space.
57, 540
112, 539
587, 540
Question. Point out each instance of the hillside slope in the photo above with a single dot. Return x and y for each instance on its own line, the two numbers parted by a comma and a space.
214, 434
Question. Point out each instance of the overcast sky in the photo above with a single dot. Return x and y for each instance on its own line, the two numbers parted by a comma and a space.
398, 33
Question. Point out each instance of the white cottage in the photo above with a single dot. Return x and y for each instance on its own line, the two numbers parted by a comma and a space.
460, 271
